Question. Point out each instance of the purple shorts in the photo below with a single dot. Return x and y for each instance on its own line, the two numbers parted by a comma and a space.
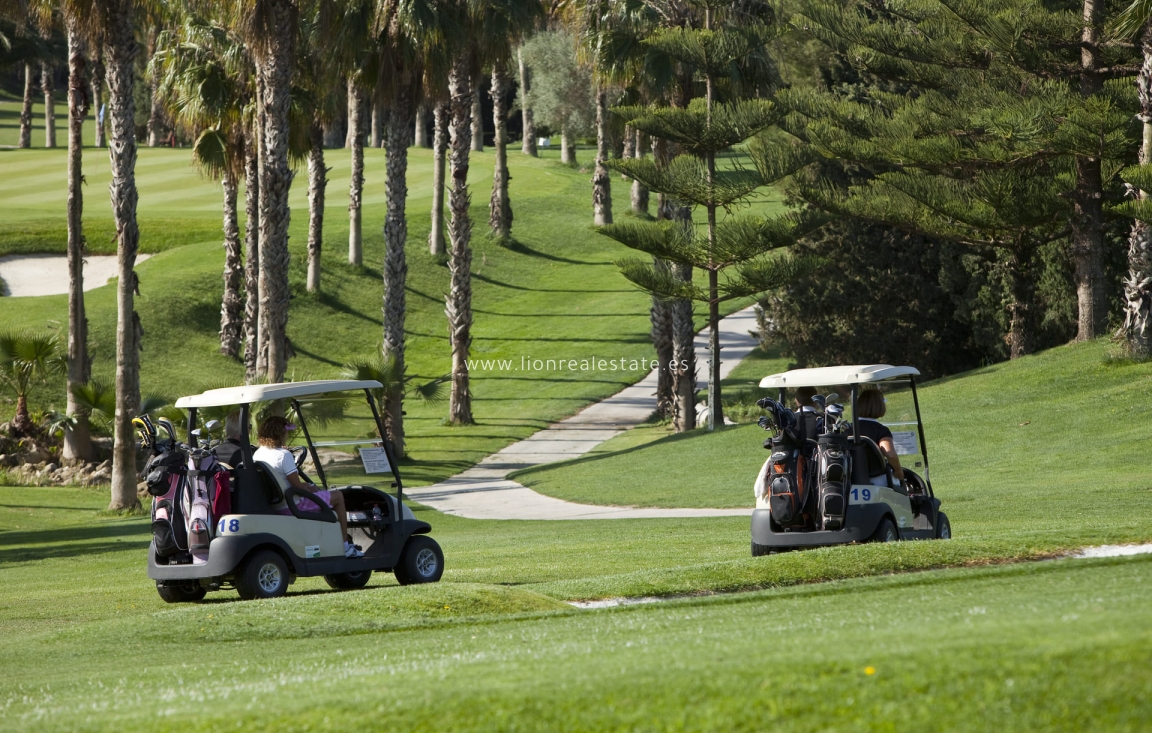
305, 505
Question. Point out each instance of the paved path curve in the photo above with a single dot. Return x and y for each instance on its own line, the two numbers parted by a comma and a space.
484, 492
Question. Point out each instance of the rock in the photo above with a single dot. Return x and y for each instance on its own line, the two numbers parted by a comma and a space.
35, 454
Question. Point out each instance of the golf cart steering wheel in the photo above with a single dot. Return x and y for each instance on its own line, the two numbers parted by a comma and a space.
299, 454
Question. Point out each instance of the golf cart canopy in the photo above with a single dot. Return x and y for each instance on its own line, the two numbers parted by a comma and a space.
250, 393
831, 376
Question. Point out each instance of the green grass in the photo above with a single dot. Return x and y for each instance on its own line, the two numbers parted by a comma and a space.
554, 294
89, 646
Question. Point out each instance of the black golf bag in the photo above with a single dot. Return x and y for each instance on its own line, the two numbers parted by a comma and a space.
833, 472
165, 476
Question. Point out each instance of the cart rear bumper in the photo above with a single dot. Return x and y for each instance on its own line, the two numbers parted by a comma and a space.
861, 522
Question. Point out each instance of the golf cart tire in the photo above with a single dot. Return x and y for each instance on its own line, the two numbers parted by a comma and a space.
181, 592
421, 561
263, 575
759, 550
885, 532
943, 527
348, 581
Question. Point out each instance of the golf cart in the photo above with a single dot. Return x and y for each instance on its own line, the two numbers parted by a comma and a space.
217, 526
827, 484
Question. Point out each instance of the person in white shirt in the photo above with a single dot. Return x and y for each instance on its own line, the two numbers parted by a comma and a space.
282, 465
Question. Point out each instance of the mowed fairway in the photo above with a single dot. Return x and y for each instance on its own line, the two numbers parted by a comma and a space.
1054, 646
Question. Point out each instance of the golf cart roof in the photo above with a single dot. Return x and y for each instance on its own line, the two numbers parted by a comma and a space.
831, 376
250, 393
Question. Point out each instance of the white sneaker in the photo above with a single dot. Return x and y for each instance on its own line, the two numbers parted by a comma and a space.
351, 550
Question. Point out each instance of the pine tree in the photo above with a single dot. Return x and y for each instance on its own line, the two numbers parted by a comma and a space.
986, 131
738, 246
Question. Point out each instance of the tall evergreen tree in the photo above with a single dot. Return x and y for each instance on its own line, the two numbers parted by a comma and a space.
1037, 100
742, 247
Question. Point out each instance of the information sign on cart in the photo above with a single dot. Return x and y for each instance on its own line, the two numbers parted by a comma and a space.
375, 460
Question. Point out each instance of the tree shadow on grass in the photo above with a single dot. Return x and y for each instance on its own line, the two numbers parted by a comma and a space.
519, 247
74, 534
497, 283
72, 550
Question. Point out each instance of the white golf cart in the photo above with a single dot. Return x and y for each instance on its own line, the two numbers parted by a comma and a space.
266, 540
831, 485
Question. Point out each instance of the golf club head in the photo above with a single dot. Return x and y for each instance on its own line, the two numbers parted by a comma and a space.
211, 426
819, 402
832, 397
763, 402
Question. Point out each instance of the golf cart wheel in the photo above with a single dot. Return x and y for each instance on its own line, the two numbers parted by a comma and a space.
759, 550
943, 527
181, 593
422, 561
886, 532
264, 575
348, 581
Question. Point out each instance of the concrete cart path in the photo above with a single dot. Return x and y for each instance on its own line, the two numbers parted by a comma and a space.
484, 492
29, 275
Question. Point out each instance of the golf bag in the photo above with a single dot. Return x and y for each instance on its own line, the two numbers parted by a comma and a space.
833, 470
207, 484
165, 474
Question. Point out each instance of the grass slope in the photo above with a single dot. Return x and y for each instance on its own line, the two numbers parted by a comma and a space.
554, 294
1049, 437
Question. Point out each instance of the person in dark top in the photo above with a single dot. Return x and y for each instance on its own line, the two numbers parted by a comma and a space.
229, 451
871, 406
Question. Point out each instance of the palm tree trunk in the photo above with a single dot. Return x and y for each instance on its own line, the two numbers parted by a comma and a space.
477, 118
48, 86
395, 263
639, 191
98, 100
500, 205
684, 357
377, 123
567, 148
26, 110
120, 52
1087, 198
251, 259
441, 113
77, 439
275, 69
629, 150
232, 305
156, 108
601, 181
1138, 283
420, 133
528, 144
459, 302
317, 182
356, 133
661, 316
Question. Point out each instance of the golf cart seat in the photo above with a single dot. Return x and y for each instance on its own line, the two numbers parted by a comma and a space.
869, 462
255, 490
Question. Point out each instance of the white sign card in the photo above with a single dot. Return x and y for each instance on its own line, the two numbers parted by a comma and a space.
375, 460
905, 443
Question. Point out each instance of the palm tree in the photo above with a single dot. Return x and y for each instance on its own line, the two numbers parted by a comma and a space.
48, 87
441, 114
459, 301
357, 103
528, 141
503, 25
270, 29
25, 358
114, 20
26, 110
77, 439
202, 74
1136, 20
